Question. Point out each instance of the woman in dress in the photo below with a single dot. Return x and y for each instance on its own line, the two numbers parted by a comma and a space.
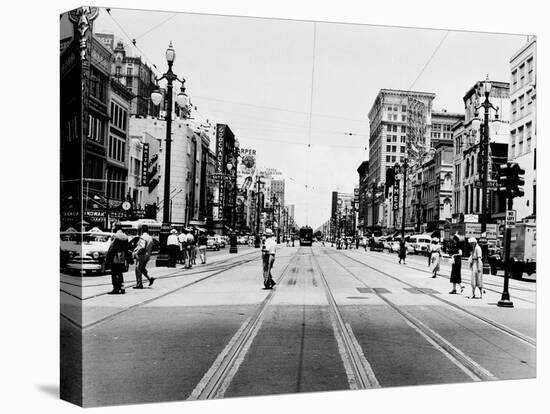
476, 267
456, 266
435, 257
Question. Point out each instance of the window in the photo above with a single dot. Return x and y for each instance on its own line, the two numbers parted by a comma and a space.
388, 138
395, 128
520, 141
129, 71
404, 108
396, 108
403, 138
515, 78
389, 127
530, 70
403, 129
514, 108
393, 158
395, 117
522, 74
404, 118
402, 149
388, 158
528, 137
521, 105
394, 138
388, 148
393, 148
390, 108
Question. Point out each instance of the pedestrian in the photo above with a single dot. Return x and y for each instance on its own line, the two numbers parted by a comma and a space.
357, 243
435, 256
268, 258
402, 251
142, 254
190, 243
173, 247
476, 268
293, 241
182, 238
117, 259
202, 240
456, 264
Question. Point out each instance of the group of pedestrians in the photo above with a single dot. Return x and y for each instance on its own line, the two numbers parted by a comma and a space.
119, 255
183, 247
434, 263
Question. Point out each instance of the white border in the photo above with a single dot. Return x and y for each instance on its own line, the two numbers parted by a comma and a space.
30, 153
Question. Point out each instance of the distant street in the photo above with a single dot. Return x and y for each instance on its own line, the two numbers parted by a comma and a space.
337, 319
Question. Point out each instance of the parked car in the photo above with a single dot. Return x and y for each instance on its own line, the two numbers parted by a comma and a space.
242, 240
85, 251
393, 246
212, 244
387, 243
220, 240
420, 243
376, 244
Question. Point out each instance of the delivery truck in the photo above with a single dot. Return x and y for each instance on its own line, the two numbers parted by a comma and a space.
523, 251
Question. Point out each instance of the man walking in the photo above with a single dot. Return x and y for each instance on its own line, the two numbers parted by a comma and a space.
202, 240
116, 258
268, 258
182, 239
190, 243
142, 254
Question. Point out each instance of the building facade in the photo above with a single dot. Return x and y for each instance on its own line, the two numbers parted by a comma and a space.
467, 196
400, 124
522, 147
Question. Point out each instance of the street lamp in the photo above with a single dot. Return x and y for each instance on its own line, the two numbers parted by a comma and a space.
182, 101
484, 164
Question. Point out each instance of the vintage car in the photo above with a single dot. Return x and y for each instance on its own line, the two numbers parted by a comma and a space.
212, 244
85, 251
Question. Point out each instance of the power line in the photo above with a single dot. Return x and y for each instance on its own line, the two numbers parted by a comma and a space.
156, 26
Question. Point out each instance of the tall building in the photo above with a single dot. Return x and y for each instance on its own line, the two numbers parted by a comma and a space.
278, 190
523, 130
467, 197
342, 214
400, 123
363, 171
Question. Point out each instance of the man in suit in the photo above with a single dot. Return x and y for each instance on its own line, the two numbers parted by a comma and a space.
116, 258
142, 254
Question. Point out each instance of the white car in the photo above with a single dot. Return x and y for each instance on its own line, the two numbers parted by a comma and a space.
85, 251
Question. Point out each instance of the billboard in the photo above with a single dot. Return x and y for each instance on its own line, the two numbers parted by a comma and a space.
247, 169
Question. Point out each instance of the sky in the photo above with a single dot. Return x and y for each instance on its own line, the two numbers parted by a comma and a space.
264, 77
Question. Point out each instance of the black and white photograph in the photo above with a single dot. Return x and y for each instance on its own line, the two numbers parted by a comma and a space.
255, 206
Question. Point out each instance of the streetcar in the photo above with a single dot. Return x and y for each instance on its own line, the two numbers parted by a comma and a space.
134, 228
306, 236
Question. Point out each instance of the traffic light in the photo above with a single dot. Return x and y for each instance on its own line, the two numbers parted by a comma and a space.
511, 179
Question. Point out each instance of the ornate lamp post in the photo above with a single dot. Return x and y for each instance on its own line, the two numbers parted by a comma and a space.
484, 164
182, 100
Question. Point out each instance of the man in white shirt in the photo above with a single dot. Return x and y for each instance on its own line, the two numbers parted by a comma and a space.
173, 247
142, 254
268, 255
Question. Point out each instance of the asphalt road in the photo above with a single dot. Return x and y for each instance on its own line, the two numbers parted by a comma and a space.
336, 320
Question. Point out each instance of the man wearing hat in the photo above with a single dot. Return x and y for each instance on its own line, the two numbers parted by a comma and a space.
476, 267
173, 247
268, 255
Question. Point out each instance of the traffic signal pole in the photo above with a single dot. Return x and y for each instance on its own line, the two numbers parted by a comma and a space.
505, 301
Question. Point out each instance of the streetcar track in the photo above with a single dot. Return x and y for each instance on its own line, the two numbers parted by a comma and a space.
217, 379
176, 273
470, 367
519, 289
512, 332
150, 300
359, 371
179, 273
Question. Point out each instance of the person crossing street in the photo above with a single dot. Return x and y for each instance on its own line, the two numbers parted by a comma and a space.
117, 259
142, 254
269, 249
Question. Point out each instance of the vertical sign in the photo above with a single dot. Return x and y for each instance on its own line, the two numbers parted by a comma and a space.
145, 165
220, 156
395, 196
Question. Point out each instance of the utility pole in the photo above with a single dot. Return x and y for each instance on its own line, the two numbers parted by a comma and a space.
258, 212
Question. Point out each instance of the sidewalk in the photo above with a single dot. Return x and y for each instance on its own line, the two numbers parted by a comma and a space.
96, 304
